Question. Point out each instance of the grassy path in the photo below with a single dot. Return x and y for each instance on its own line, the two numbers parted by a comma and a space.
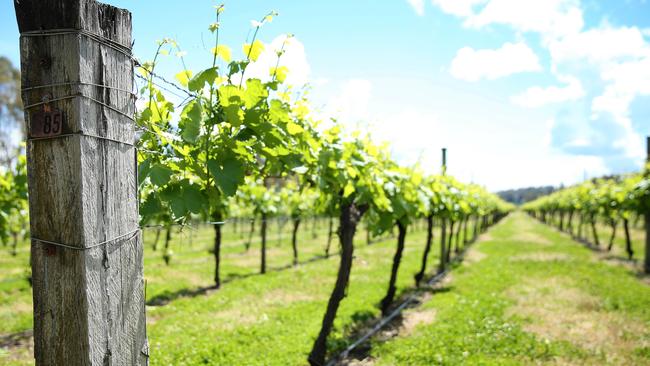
191, 269
258, 320
527, 294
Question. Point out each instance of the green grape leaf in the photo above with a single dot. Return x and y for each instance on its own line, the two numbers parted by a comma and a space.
255, 93
233, 114
348, 190
194, 199
191, 125
160, 175
143, 171
222, 51
278, 111
206, 76
235, 67
228, 175
183, 77
294, 128
245, 134
230, 94
177, 204
280, 73
150, 207
253, 51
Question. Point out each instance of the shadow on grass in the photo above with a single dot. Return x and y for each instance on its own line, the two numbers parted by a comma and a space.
359, 336
15, 339
606, 254
643, 277
167, 297
364, 322
632, 263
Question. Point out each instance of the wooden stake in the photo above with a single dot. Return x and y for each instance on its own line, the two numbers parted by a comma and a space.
646, 264
444, 161
89, 299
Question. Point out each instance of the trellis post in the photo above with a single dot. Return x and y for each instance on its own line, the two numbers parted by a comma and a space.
87, 259
646, 264
443, 223
444, 161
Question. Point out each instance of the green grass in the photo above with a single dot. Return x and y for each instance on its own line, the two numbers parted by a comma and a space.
192, 266
618, 249
604, 232
273, 319
15, 292
535, 297
279, 313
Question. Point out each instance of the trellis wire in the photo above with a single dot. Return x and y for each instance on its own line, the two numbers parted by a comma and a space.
160, 86
246, 219
172, 84
73, 83
71, 96
96, 37
68, 246
80, 133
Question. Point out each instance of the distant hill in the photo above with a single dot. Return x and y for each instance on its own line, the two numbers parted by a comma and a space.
523, 195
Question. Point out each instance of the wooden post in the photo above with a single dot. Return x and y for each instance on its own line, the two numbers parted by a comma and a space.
444, 161
443, 223
87, 259
646, 262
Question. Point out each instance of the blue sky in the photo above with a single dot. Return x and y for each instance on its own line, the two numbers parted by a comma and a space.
521, 92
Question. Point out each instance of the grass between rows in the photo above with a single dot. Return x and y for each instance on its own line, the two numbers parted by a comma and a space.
529, 295
192, 266
270, 319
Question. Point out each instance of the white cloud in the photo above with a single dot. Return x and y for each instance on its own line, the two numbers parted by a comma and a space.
621, 56
460, 8
623, 59
627, 80
537, 97
550, 168
629, 77
351, 103
613, 102
417, 5
474, 65
551, 18
294, 58
600, 45
319, 81
398, 130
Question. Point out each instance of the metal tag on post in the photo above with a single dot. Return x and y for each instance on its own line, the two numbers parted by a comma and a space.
46, 123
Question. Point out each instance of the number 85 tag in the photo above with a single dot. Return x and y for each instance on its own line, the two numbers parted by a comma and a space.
46, 123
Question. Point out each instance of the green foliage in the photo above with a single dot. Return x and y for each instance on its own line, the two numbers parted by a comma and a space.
611, 198
263, 200
233, 129
13, 199
230, 127
478, 322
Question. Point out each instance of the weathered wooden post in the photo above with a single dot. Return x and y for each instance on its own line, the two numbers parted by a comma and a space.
646, 264
443, 223
444, 161
87, 260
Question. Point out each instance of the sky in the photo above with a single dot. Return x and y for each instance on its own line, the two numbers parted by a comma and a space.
521, 92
